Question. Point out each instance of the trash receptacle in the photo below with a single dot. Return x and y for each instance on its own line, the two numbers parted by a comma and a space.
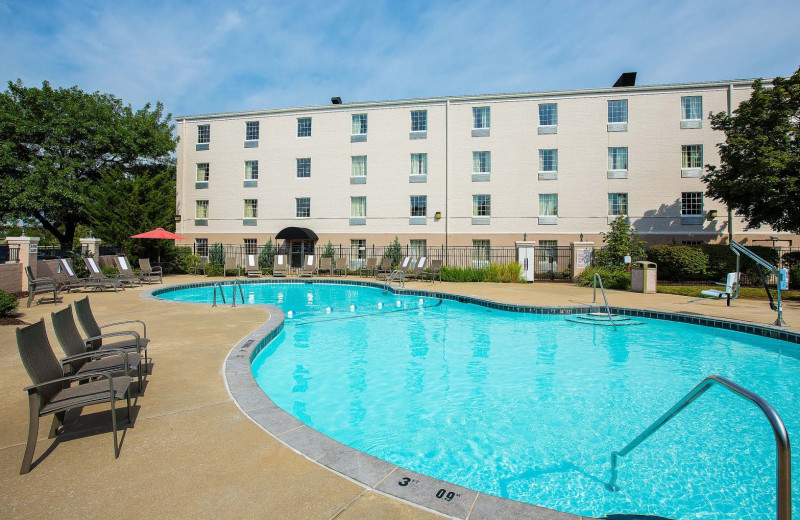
643, 277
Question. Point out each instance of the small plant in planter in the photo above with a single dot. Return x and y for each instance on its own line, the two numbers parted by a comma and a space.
8, 305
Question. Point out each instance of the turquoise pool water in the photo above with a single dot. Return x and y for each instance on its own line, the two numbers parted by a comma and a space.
529, 407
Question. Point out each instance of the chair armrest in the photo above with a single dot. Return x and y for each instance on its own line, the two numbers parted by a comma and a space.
78, 377
144, 326
98, 354
156, 269
135, 334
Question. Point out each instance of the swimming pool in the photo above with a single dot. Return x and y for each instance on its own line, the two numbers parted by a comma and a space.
529, 406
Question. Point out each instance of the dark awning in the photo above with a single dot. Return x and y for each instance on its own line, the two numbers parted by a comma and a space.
296, 233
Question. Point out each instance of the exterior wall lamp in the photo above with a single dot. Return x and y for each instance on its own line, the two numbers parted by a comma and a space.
437, 215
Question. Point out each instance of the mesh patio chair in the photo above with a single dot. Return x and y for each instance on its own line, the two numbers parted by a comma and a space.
252, 270
385, 269
308, 268
69, 280
80, 359
97, 275
418, 269
279, 266
326, 265
137, 342
51, 392
435, 272
44, 285
126, 274
149, 272
340, 266
368, 269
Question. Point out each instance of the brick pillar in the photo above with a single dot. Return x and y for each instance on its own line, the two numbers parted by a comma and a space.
28, 251
92, 246
581, 257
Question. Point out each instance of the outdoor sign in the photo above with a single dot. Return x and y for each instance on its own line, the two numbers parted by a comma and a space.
583, 257
34, 249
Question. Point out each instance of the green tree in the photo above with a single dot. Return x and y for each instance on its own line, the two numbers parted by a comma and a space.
216, 254
60, 147
759, 172
329, 251
267, 255
621, 240
395, 252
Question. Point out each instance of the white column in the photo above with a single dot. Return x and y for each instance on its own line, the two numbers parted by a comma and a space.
92, 245
581, 257
28, 251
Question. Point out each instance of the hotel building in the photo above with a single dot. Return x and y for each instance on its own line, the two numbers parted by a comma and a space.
487, 170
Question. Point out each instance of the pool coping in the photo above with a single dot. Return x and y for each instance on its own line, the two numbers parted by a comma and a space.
376, 474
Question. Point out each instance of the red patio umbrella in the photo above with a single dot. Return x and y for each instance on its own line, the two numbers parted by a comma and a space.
159, 233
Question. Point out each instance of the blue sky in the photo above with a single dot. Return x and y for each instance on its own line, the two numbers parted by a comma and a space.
217, 56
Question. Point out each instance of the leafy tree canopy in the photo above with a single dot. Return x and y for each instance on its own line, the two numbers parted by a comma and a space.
759, 174
60, 148
621, 240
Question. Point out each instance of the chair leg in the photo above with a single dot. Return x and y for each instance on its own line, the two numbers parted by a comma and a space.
30, 296
114, 424
58, 421
33, 432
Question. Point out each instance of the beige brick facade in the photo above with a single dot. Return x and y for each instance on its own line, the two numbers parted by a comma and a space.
654, 181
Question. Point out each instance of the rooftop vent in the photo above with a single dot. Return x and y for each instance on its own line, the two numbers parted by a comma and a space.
626, 79
338, 101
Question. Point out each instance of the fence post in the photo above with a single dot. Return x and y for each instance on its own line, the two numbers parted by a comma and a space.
91, 246
581, 257
27, 251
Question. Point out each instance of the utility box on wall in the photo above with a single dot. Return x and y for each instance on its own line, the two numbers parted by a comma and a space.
525, 256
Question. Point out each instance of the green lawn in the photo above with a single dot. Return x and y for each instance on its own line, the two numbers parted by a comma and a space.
751, 293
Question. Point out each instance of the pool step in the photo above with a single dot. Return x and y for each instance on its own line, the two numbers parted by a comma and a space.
599, 318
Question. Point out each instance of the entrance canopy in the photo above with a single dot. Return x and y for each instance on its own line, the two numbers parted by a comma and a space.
296, 233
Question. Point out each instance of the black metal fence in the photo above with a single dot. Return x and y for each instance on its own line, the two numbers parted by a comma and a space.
4, 253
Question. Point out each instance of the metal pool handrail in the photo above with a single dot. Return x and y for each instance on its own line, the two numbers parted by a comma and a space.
236, 283
782, 447
596, 279
222, 294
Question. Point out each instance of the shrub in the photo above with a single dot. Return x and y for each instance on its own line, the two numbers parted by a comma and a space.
508, 273
267, 256
455, 274
216, 255
621, 240
329, 251
614, 277
110, 271
8, 304
677, 263
214, 270
185, 261
395, 253
721, 260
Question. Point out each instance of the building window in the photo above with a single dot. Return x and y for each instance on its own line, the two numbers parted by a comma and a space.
201, 246
250, 208
303, 127
359, 124
358, 166
481, 162
617, 204
201, 209
618, 158
303, 207
251, 131
203, 134
548, 204
419, 164
692, 156
481, 205
202, 172
304, 167
480, 118
358, 206
548, 114
618, 111
419, 120
692, 108
251, 170
358, 250
419, 205
251, 246
481, 253
418, 247
692, 203
548, 160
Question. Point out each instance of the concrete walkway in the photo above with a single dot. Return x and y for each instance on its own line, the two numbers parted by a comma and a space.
190, 452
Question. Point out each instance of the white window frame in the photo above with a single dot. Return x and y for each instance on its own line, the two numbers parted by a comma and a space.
207, 171
421, 163
481, 118
304, 169
689, 152
542, 204
251, 170
362, 124
203, 134
482, 205
689, 202
249, 134
419, 123
543, 166
358, 210
421, 202
306, 207
482, 162
687, 102
615, 204
545, 107
612, 162
301, 126
417, 247
250, 206
358, 166
201, 209
614, 111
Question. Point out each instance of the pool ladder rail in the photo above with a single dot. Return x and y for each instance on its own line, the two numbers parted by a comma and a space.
397, 274
236, 283
782, 446
600, 318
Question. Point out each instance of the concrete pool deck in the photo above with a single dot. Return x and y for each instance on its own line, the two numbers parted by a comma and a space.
190, 451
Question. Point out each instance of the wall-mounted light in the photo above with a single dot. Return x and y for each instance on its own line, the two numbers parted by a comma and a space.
437, 215
177, 218
712, 214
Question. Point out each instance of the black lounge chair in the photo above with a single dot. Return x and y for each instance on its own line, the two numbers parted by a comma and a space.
51, 392
137, 344
44, 285
80, 359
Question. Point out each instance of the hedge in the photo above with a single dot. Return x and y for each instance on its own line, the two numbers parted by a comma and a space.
8, 304
613, 276
677, 263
